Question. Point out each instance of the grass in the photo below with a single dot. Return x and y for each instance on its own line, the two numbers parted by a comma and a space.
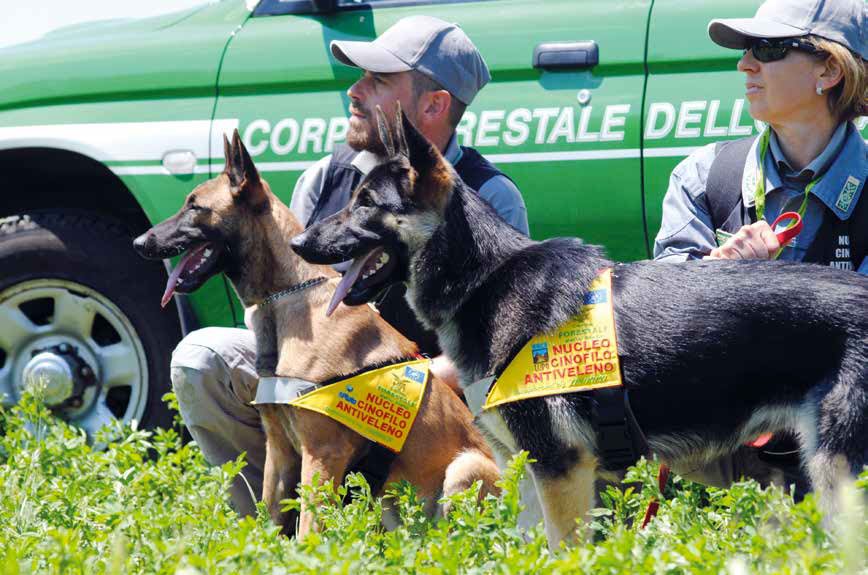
148, 504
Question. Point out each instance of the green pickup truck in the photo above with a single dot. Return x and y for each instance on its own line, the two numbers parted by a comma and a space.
105, 127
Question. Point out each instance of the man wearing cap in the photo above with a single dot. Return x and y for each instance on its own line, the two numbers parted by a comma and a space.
806, 78
435, 71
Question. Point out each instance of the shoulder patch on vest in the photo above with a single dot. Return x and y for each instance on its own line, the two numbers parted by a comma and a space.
848, 192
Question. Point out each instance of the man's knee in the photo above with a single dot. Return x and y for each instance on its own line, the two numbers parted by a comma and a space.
205, 348
187, 383
213, 375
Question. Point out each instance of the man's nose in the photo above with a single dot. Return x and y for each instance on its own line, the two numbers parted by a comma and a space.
355, 91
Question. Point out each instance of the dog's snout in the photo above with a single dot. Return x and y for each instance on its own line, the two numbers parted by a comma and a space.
297, 242
144, 245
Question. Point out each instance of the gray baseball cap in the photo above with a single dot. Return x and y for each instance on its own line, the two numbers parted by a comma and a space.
438, 49
841, 21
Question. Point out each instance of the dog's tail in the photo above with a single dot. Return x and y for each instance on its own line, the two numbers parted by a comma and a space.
841, 410
470, 466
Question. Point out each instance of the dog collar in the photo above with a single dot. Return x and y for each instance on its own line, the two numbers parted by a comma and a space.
296, 288
281, 389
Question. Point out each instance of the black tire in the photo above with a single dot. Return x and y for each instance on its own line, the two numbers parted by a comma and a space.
96, 252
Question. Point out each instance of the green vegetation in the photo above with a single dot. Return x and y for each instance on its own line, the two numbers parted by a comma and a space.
148, 504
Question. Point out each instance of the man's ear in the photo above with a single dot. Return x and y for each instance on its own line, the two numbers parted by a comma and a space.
243, 174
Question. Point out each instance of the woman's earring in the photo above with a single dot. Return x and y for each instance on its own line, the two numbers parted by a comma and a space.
819, 89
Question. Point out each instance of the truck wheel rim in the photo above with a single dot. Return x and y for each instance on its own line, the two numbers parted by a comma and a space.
46, 313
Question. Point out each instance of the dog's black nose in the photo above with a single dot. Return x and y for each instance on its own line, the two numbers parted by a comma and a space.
142, 245
297, 242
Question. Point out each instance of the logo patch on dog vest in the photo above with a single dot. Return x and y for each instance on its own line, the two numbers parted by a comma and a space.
579, 355
380, 405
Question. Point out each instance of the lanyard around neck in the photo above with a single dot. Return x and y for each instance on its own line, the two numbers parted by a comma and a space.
760, 196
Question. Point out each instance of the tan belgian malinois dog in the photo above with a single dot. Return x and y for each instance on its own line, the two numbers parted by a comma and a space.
235, 225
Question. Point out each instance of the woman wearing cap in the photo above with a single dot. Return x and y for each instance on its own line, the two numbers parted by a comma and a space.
806, 78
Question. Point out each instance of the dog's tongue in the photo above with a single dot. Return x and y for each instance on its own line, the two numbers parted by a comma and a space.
350, 278
189, 257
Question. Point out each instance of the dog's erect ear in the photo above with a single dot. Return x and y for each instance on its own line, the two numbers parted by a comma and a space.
432, 185
399, 130
385, 132
227, 153
243, 176
422, 153
248, 168
233, 168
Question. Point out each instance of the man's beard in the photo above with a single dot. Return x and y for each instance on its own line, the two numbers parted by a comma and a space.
363, 135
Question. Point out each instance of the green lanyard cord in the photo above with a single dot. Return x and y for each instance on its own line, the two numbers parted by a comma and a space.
760, 196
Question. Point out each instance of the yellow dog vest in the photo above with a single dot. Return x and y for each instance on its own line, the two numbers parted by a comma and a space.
581, 354
381, 404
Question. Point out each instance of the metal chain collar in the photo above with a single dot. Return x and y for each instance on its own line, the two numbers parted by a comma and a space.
296, 288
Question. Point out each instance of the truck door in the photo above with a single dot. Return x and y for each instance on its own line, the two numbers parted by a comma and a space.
567, 130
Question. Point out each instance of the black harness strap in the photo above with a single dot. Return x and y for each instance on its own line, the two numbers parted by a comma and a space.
723, 187
620, 440
374, 465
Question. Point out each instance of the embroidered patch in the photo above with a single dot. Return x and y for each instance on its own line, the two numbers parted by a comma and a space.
721, 236
848, 192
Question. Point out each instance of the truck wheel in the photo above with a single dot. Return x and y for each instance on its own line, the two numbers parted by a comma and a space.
80, 320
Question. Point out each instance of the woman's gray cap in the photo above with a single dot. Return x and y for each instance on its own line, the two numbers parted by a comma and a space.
841, 21
438, 49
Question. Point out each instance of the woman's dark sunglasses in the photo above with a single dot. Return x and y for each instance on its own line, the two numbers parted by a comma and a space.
766, 50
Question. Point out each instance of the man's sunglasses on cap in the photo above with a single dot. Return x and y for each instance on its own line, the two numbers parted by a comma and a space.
766, 50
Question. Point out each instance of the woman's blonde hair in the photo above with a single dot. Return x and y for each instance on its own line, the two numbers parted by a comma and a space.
849, 98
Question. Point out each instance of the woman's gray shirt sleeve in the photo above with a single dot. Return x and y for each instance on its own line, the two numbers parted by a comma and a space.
686, 231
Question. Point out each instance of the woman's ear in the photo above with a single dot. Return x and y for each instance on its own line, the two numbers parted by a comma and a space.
831, 74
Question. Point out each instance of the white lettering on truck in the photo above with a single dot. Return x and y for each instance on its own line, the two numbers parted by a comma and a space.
547, 126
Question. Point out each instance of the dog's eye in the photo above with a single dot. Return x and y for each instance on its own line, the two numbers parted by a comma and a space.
364, 201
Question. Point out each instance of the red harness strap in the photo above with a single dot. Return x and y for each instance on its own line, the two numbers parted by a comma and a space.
654, 505
761, 440
663, 477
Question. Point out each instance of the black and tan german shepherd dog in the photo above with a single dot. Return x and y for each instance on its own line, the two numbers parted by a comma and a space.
713, 353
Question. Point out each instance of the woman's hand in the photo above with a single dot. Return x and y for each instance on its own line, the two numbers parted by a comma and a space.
756, 241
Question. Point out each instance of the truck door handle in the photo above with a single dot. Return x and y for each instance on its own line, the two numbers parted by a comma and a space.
560, 55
